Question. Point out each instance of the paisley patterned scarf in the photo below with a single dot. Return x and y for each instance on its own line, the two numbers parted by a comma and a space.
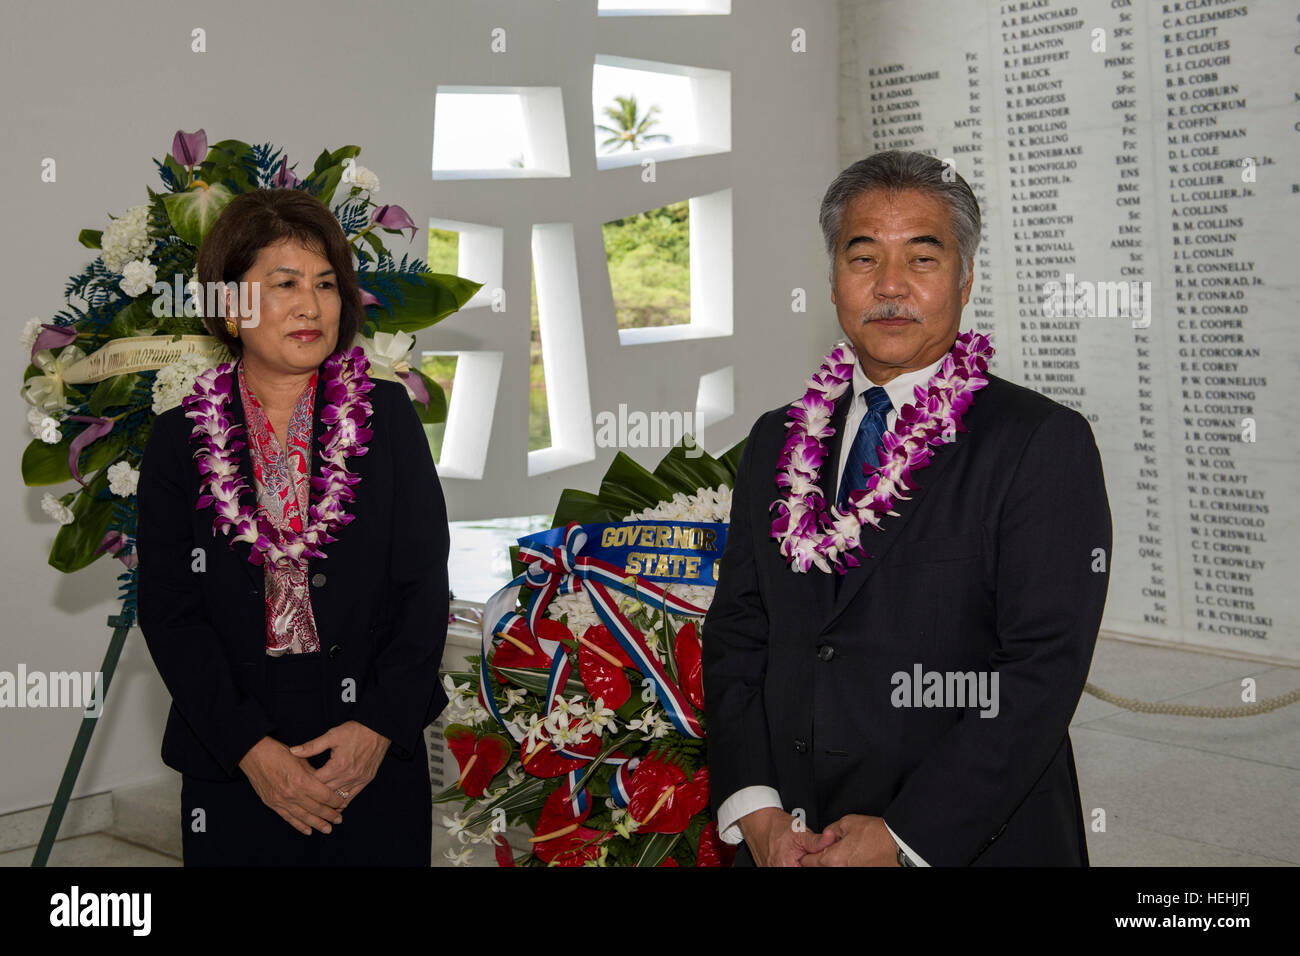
283, 480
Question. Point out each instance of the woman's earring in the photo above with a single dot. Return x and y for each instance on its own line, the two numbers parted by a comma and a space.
232, 327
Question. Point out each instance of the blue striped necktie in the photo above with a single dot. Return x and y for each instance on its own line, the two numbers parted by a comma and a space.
865, 443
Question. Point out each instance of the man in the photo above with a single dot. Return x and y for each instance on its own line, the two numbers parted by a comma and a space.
990, 573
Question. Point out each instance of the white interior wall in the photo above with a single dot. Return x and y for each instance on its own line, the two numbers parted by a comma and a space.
102, 89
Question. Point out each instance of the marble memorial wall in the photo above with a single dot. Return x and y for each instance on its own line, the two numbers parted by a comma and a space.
1135, 163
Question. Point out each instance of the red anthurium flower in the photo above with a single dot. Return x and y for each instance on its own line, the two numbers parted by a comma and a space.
560, 837
547, 762
600, 662
669, 862
690, 664
520, 649
663, 799
480, 758
711, 850
572, 849
504, 855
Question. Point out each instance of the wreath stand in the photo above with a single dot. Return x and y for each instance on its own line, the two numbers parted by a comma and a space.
121, 624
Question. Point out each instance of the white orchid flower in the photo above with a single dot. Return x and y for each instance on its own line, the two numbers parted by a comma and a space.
463, 858
455, 825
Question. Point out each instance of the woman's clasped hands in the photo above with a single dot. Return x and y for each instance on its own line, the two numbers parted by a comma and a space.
308, 798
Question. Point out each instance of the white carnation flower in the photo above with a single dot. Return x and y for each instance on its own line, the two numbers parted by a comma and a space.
122, 479
43, 426
28, 335
357, 175
138, 277
173, 382
56, 509
48, 431
126, 238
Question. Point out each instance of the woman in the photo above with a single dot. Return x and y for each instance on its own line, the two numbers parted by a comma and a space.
293, 565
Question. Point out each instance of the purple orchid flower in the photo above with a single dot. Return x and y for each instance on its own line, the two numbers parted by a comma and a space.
807, 533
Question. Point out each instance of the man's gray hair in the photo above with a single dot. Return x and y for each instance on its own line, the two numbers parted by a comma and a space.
894, 171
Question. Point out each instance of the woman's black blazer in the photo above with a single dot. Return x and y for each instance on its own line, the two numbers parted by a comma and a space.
379, 597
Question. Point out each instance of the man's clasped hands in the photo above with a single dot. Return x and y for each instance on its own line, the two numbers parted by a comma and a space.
777, 838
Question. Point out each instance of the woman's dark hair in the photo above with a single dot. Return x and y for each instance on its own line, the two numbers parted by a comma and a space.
260, 218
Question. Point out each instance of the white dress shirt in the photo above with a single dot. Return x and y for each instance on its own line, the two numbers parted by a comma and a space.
900, 392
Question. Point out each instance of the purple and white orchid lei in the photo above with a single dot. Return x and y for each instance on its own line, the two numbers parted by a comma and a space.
809, 533
345, 413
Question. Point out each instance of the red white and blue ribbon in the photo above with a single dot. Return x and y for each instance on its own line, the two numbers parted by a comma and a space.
620, 785
564, 569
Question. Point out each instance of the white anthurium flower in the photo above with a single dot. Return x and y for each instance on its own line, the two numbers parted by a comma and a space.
388, 353
45, 391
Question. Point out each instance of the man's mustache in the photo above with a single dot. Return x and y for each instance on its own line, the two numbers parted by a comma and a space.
892, 311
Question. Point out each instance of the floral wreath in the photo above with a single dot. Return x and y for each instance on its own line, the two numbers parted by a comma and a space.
594, 771
130, 342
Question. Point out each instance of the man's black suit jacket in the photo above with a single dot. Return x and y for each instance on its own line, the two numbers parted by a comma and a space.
379, 597
999, 561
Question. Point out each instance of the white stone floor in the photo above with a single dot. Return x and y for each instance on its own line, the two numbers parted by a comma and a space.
1176, 791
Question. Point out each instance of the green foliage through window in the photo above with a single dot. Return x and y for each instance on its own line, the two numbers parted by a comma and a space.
649, 256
